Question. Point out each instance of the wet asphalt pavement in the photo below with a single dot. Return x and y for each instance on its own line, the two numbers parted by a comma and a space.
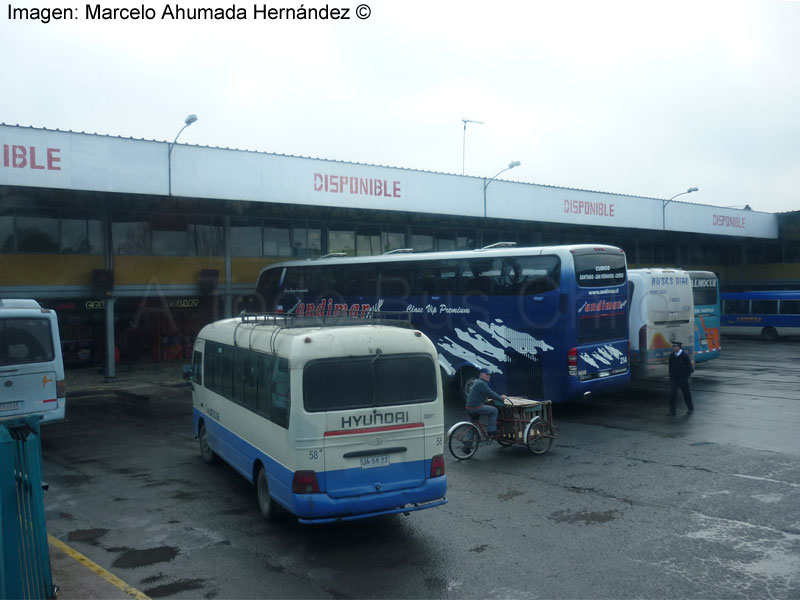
627, 504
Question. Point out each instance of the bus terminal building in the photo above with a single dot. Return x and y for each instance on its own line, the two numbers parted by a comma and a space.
137, 244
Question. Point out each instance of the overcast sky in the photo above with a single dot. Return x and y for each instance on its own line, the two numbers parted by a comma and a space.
642, 98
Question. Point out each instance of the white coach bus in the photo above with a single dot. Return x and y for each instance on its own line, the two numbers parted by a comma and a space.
331, 419
31, 368
661, 312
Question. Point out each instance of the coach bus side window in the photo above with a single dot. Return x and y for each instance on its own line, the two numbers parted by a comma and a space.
397, 280
325, 281
359, 280
539, 274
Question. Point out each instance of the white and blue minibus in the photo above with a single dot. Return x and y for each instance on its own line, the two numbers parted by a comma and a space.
550, 322
336, 420
31, 368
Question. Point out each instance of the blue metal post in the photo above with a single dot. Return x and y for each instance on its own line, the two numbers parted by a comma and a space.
25, 552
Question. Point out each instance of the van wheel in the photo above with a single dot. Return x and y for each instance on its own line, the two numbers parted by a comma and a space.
769, 334
206, 453
266, 504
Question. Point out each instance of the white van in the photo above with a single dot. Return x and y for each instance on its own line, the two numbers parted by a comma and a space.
31, 368
661, 312
331, 422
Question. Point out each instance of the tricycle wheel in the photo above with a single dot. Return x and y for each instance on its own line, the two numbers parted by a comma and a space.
463, 441
538, 437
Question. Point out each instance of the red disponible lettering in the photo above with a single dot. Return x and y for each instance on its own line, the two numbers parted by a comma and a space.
585, 207
16, 156
726, 221
357, 186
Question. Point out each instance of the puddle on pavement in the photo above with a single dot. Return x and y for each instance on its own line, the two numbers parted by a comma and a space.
87, 536
131, 559
589, 518
170, 589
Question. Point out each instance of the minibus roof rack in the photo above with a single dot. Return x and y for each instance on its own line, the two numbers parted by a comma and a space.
498, 245
400, 251
332, 255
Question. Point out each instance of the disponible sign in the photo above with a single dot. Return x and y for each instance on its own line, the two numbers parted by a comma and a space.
588, 207
729, 222
356, 186
18, 156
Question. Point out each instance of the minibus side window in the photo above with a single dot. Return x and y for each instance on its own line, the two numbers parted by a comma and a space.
264, 396
225, 371
280, 396
251, 381
239, 359
197, 364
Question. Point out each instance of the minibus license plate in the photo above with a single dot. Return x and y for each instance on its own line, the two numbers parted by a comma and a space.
604, 373
15, 406
370, 462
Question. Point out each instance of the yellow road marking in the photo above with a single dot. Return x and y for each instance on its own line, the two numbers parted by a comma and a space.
111, 578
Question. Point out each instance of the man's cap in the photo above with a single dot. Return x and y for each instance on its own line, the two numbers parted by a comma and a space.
485, 370
677, 344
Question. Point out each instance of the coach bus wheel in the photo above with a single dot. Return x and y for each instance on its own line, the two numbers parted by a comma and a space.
206, 453
266, 504
769, 334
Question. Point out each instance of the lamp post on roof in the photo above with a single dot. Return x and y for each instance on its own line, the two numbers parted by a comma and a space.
486, 182
464, 142
188, 121
664, 206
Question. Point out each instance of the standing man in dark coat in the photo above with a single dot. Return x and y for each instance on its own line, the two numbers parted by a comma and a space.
680, 368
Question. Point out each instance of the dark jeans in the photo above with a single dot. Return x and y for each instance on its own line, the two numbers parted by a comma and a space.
683, 386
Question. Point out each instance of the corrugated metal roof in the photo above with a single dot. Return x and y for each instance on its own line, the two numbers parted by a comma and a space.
333, 160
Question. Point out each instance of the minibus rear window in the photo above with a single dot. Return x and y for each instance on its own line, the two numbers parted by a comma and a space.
369, 381
25, 341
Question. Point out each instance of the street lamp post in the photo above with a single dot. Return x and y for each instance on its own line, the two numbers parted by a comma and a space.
664, 206
464, 141
486, 182
189, 120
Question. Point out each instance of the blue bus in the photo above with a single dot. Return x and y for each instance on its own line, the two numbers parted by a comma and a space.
549, 322
769, 314
707, 311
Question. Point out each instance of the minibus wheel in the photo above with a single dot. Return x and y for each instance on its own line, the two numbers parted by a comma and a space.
266, 504
206, 453
769, 334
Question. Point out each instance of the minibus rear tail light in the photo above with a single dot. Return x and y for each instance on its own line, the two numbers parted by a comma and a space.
572, 362
437, 466
305, 482
61, 388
